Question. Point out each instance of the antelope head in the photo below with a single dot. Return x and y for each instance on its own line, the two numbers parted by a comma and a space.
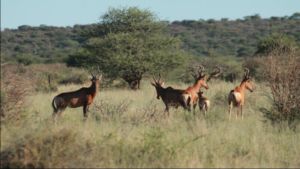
199, 76
95, 78
158, 85
200, 93
247, 80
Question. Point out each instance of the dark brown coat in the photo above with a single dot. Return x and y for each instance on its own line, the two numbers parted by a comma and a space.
79, 98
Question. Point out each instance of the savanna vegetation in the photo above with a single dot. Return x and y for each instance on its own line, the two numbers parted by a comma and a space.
129, 128
46, 44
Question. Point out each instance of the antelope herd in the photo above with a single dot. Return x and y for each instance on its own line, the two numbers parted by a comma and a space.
185, 98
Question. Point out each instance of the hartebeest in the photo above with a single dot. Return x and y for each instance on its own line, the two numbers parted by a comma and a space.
192, 91
203, 102
80, 98
170, 96
236, 97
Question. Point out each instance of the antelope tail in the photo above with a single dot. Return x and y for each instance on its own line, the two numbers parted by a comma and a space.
207, 104
234, 97
231, 97
187, 99
54, 105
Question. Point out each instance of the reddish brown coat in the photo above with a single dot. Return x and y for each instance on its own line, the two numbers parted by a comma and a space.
79, 98
193, 90
236, 97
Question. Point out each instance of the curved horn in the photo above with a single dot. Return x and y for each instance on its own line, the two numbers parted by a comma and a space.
218, 69
197, 71
215, 73
99, 71
200, 70
246, 72
154, 79
89, 70
159, 77
192, 69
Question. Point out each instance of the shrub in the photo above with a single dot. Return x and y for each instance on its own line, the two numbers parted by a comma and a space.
47, 77
44, 150
110, 111
27, 59
15, 86
75, 77
282, 72
46, 82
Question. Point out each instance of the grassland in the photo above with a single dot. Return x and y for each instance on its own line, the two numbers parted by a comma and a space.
128, 129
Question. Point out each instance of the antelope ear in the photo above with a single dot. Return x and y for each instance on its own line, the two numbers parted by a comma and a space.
100, 77
162, 83
153, 84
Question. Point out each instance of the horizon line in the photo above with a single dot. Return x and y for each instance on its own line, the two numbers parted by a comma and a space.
161, 20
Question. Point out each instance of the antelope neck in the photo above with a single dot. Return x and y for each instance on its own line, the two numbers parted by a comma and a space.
197, 85
242, 87
160, 88
94, 87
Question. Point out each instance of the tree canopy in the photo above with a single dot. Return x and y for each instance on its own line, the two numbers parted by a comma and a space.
199, 37
276, 43
132, 42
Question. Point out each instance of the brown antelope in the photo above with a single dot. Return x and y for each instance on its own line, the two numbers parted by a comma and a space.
80, 98
203, 102
236, 97
192, 91
170, 96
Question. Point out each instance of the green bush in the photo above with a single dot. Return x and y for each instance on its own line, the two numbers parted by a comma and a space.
28, 59
278, 42
75, 77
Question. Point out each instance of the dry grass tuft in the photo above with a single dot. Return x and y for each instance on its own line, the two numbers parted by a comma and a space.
282, 71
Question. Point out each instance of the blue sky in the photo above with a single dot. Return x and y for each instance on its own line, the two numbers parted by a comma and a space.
69, 12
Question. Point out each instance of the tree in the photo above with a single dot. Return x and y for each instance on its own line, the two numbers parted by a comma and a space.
243, 51
295, 16
130, 42
253, 17
281, 71
276, 43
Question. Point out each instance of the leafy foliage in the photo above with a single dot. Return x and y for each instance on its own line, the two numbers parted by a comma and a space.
231, 37
278, 42
133, 43
41, 44
200, 37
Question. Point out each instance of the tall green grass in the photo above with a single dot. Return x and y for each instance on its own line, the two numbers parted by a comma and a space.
129, 129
